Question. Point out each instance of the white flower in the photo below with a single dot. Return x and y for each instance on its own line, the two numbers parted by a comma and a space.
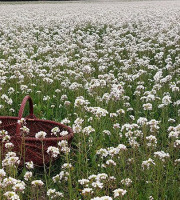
119, 192
83, 181
80, 101
50, 192
177, 128
77, 128
11, 90
27, 175
110, 162
9, 145
173, 134
87, 130
3, 133
46, 98
101, 176
40, 135
87, 191
55, 130
142, 121
107, 132
166, 100
147, 106
161, 155
9, 182
147, 163
10, 154
151, 198
78, 121
102, 198
116, 126
97, 111
97, 185
177, 161
64, 133
63, 143
29, 165
58, 194
37, 183
6, 138
25, 129
21, 121
177, 143
152, 141
102, 153
59, 177
66, 166
53, 194
10, 195
126, 181
122, 147
2, 174
65, 121
12, 161
92, 177
19, 186
154, 125
53, 151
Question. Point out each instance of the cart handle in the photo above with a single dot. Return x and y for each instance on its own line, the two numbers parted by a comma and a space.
21, 111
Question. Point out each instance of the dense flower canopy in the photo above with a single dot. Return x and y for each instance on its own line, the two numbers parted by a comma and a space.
111, 72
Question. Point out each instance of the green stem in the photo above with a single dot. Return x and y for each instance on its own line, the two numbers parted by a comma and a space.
24, 151
50, 167
45, 176
1, 154
69, 179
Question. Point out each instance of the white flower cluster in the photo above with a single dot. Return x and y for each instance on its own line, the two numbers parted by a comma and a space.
7, 99
151, 141
53, 151
63, 175
95, 182
174, 132
2, 174
27, 176
10, 195
41, 135
161, 155
64, 133
77, 126
87, 130
119, 192
102, 198
126, 182
111, 151
29, 165
52, 193
13, 184
63, 145
25, 129
37, 183
147, 163
55, 130
80, 101
97, 111
11, 160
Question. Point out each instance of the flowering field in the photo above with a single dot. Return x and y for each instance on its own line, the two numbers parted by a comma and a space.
111, 71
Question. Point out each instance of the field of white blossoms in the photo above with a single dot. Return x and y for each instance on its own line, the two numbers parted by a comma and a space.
111, 71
